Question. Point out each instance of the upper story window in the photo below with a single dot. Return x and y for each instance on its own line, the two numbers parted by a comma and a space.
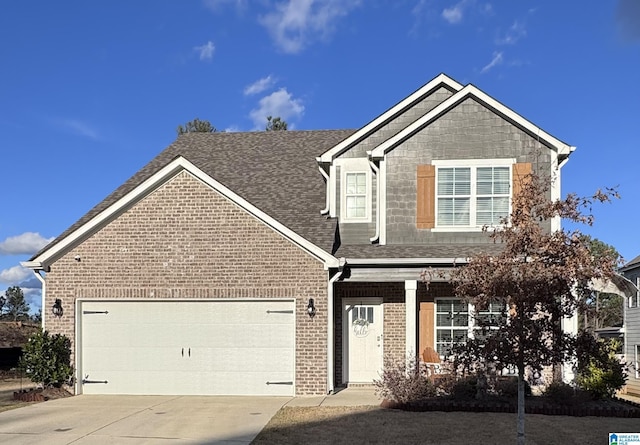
467, 194
472, 196
356, 195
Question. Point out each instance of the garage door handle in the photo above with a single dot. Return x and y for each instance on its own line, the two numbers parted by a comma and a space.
189, 352
279, 383
183, 352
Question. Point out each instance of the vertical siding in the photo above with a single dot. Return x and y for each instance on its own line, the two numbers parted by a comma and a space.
185, 240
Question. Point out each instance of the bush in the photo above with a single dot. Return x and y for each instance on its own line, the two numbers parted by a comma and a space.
600, 372
465, 388
402, 382
560, 393
46, 359
508, 387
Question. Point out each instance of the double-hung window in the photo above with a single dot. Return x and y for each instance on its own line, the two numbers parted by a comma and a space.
472, 196
356, 195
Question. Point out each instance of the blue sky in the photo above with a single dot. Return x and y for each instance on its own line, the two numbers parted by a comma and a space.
91, 91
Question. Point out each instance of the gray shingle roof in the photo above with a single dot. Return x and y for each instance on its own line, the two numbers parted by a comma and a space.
416, 251
632, 264
276, 171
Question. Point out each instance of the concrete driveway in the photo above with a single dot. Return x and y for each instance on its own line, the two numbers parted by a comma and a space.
134, 420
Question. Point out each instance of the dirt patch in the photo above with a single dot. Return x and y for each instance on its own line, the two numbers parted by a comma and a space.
373, 425
27, 391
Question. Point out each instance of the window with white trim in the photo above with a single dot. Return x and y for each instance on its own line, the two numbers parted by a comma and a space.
636, 361
355, 195
472, 196
457, 321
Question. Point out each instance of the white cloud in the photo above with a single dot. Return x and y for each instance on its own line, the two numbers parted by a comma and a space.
497, 60
205, 51
278, 104
259, 86
232, 129
26, 244
296, 23
14, 275
515, 32
77, 127
453, 15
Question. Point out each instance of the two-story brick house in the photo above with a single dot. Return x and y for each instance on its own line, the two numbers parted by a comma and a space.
289, 262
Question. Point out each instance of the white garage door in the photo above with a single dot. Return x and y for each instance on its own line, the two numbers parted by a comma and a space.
187, 347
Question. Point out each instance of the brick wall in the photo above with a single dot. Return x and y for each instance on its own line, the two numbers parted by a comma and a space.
185, 240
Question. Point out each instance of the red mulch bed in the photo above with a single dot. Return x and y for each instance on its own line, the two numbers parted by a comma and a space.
41, 395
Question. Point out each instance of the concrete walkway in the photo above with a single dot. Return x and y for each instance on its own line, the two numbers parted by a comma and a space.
345, 397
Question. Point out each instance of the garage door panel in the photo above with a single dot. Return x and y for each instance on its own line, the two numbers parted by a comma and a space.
189, 347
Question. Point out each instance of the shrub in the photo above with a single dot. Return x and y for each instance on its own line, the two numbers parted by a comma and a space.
508, 387
402, 381
560, 393
465, 388
46, 359
600, 372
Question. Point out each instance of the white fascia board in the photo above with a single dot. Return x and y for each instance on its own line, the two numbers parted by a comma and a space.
467, 91
387, 261
170, 170
34, 265
329, 155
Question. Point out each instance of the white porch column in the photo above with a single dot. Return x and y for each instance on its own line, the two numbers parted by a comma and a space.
569, 326
410, 288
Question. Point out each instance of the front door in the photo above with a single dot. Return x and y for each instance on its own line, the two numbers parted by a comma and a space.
363, 340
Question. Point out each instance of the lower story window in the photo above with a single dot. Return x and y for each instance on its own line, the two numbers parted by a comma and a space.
637, 361
457, 321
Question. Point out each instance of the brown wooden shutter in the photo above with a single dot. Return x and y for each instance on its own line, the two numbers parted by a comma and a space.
520, 172
426, 195
425, 322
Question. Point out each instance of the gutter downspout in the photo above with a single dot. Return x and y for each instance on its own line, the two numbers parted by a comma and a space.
40, 278
330, 330
326, 178
375, 168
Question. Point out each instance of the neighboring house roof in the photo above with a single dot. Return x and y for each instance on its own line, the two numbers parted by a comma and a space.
631, 264
274, 171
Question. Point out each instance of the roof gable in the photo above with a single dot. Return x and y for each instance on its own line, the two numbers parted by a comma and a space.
257, 170
436, 83
471, 91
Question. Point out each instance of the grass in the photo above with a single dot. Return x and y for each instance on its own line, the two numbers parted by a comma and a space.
374, 425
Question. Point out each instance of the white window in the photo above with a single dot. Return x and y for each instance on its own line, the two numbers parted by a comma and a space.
472, 196
452, 324
636, 361
635, 301
356, 196
457, 321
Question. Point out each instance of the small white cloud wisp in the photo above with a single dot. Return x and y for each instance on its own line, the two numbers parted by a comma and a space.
259, 86
205, 52
497, 59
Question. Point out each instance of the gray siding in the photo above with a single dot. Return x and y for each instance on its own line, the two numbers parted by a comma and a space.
632, 335
468, 131
398, 124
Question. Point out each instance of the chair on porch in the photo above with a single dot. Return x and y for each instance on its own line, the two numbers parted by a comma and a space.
431, 362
